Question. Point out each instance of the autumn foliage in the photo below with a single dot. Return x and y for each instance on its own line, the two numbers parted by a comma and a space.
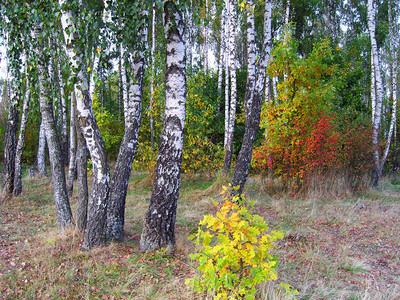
234, 251
305, 135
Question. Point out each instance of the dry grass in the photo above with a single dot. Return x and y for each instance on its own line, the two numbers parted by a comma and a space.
336, 246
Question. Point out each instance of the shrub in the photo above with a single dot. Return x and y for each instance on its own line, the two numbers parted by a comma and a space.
234, 251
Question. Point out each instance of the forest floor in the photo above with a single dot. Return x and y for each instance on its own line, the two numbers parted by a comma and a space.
335, 247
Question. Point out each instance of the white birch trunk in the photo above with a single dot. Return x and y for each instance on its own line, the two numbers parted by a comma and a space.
63, 209
64, 128
226, 55
21, 137
159, 226
41, 153
393, 48
221, 62
132, 114
94, 232
378, 86
254, 94
232, 69
72, 147
10, 142
287, 13
153, 50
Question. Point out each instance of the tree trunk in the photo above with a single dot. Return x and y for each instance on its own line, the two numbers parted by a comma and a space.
375, 84
393, 45
61, 200
159, 226
20, 145
81, 166
127, 149
94, 232
221, 63
232, 69
72, 148
64, 128
287, 13
10, 140
41, 153
226, 54
153, 50
254, 95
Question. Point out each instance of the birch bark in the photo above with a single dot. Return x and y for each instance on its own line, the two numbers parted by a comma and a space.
226, 54
10, 138
376, 85
21, 137
152, 53
63, 117
81, 170
41, 153
72, 147
159, 227
221, 62
63, 209
123, 167
232, 108
393, 48
94, 232
254, 94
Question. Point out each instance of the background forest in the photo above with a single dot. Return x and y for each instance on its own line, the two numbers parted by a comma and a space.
298, 96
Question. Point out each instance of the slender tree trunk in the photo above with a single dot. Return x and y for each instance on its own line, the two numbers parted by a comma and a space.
95, 67
226, 53
41, 153
10, 140
120, 92
232, 69
61, 200
375, 84
393, 45
94, 232
123, 167
72, 148
81, 166
63, 116
153, 50
221, 63
20, 145
287, 13
159, 226
205, 47
254, 95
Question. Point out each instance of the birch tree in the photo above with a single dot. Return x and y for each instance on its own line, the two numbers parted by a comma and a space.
63, 116
41, 153
72, 146
132, 116
226, 55
81, 170
377, 86
159, 226
254, 93
232, 70
376, 93
21, 136
64, 214
94, 232
10, 136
